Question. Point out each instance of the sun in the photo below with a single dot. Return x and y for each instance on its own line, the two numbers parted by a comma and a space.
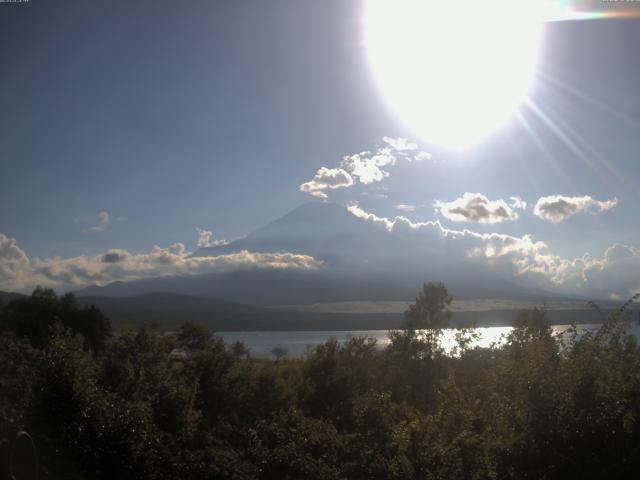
453, 71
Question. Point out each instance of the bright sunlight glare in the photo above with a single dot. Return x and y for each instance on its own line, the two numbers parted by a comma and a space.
454, 72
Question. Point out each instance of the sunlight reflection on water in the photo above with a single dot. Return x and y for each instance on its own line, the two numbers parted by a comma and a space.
297, 343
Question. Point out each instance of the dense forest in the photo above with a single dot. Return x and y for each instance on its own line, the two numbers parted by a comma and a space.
105, 404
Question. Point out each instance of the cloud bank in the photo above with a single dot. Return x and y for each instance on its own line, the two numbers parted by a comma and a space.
19, 272
475, 207
614, 275
557, 208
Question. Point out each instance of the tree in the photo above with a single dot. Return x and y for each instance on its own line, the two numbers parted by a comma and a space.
430, 310
413, 349
531, 324
279, 352
34, 317
89, 321
195, 337
239, 350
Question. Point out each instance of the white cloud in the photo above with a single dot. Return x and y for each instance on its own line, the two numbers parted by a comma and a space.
356, 211
103, 222
517, 202
557, 208
19, 272
405, 208
526, 260
205, 239
326, 178
475, 207
370, 166
400, 144
366, 167
422, 156
13, 261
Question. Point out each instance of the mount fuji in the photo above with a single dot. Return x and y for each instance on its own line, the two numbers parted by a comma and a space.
360, 261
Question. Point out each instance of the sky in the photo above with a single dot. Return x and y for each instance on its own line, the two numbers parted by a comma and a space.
128, 125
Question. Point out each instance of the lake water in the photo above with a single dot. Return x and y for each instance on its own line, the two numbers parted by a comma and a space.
297, 343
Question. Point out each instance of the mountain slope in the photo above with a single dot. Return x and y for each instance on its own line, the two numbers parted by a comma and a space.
324, 230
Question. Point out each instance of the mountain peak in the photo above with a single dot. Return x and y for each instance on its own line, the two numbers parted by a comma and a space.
314, 228
318, 208
314, 216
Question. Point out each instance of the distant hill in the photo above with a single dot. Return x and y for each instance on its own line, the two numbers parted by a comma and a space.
6, 297
170, 310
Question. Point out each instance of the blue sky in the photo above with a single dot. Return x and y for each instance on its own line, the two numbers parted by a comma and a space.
172, 116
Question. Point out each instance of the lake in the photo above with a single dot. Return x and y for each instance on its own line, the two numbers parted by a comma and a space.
297, 343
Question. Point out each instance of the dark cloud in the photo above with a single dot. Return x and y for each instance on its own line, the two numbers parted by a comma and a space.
475, 207
557, 208
114, 256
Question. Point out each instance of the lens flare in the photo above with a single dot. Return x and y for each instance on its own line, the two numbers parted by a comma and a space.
454, 72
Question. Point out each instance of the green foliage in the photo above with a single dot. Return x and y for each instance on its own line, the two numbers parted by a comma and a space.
291, 446
334, 375
102, 406
18, 365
